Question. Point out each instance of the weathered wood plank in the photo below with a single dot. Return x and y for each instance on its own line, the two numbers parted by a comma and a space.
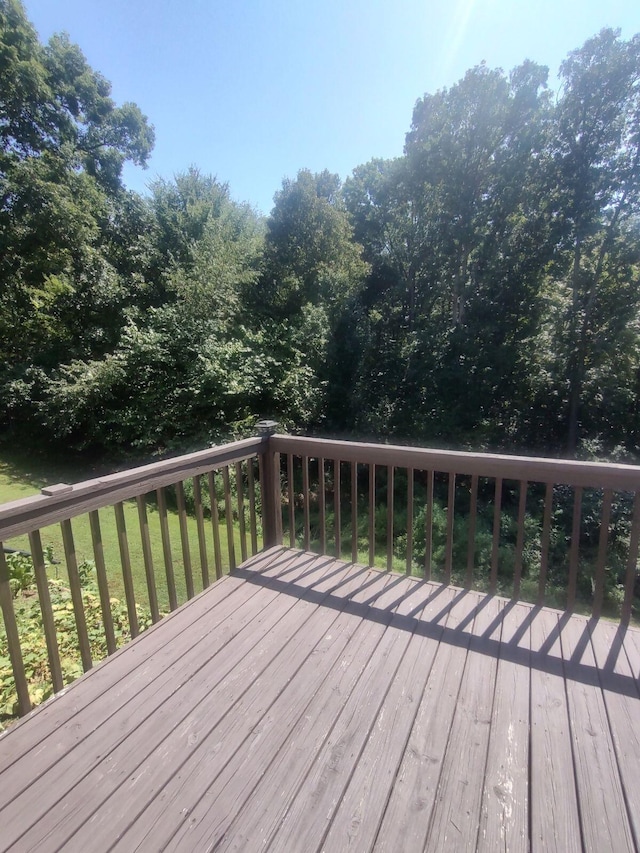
292, 501
322, 512
103, 584
555, 825
390, 480
227, 673
355, 823
202, 542
48, 623
372, 515
537, 470
147, 557
184, 539
166, 548
260, 815
574, 552
13, 637
409, 555
21, 516
448, 550
76, 594
623, 712
601, 560
428, 520
456, 814
215, 524
406, 820
125, 562
354, 512
241, 520
504, 818
219, 773
517, 569
305, 499
544, 544
495, 546
471, 541
57, 727
228, 515
251, 486
605, 825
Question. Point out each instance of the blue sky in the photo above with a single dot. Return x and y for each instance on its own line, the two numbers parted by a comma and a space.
254, 90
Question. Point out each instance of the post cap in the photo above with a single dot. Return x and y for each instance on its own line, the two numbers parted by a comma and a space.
266, 427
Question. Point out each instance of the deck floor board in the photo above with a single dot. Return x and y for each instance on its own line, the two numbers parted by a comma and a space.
306, 704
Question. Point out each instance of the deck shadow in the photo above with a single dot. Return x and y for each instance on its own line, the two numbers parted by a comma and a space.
541, 659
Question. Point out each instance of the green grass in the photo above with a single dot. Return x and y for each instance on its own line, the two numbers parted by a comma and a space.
21, 477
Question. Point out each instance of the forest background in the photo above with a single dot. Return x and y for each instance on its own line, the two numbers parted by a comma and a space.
480, 291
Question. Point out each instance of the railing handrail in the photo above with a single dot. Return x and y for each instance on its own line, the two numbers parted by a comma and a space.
64, 502
599, 475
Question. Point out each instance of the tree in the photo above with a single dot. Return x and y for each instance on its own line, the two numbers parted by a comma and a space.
63, 141
596, 150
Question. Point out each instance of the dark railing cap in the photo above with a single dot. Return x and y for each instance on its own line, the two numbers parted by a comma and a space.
266, 427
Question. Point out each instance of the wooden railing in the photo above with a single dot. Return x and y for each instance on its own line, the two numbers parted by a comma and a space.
233, 468
551, 531
561, 532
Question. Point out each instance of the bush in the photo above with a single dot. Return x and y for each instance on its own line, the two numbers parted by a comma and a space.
32, 638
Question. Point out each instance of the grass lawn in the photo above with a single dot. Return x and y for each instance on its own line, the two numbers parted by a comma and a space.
21, 477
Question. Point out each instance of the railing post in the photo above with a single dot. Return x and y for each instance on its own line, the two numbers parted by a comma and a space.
270, 486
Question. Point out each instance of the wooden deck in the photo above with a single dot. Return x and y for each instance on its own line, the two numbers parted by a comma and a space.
304, 704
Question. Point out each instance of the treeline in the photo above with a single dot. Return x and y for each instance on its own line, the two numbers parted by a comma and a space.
482, 290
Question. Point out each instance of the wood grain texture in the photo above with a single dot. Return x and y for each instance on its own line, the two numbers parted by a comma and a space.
504, 819
604, 819
555, 824
623, 711
303, 703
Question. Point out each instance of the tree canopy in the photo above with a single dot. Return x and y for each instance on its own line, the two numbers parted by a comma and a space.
480, 290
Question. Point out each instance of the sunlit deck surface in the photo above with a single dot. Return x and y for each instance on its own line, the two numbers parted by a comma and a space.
306, 704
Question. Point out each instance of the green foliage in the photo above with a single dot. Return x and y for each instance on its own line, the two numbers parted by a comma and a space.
31, 632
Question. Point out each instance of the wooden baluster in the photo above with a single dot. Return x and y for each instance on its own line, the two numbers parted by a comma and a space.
372, 514
278, 497
601, 563
305, 498
229, 517
448, 562
390, 484
76, 594
184, 539
148, 557
409, 520
48, 622
215, 525
202, 542
166, 548
495, 545
241, 524
251, 487
13, 638
103, 583
544, 547
354, 512
337, 509
522, 507
471, 538
428, 521
127, 577
292, 501
322, 507
632, 561
574, 553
